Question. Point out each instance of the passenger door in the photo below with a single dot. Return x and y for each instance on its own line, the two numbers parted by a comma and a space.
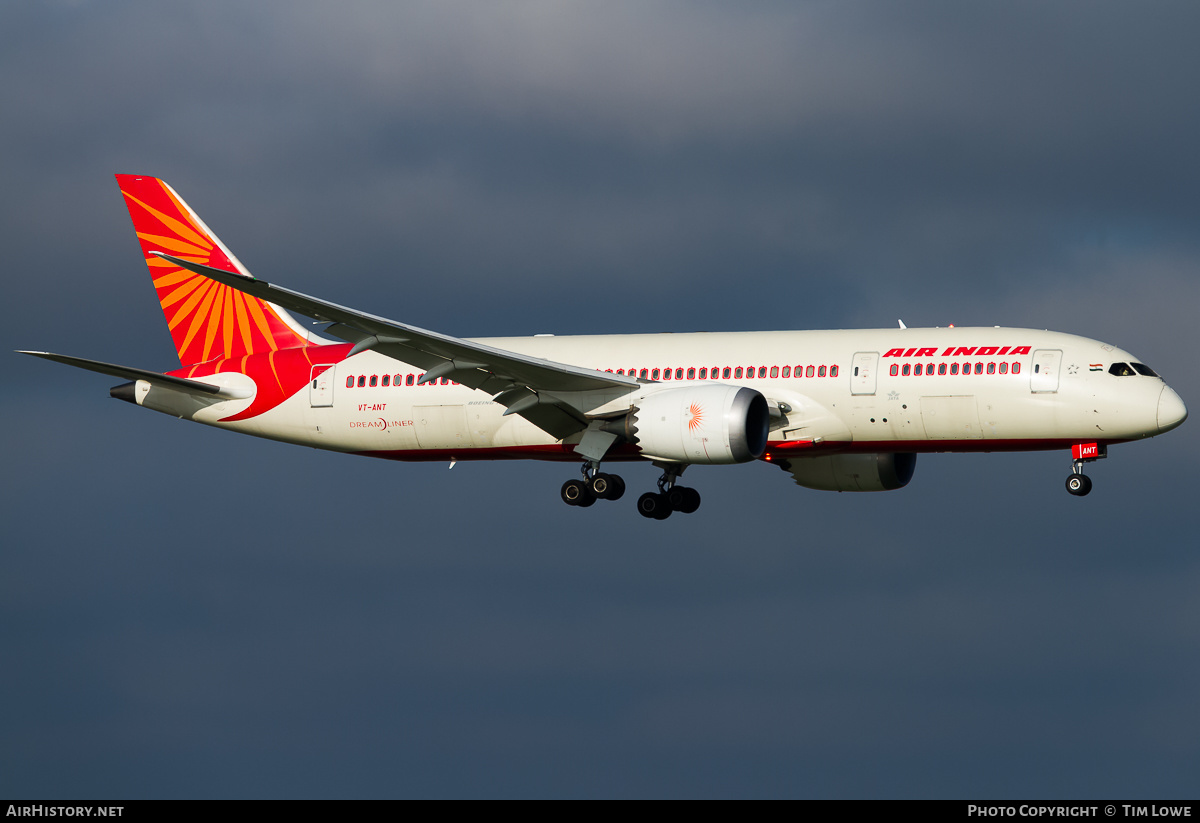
1046, 365
862, 372
320, 386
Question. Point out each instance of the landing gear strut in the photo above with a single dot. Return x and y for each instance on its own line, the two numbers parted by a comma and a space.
669, 497
594, 486
1079, 483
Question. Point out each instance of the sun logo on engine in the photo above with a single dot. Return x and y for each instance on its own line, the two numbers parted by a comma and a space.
696, 412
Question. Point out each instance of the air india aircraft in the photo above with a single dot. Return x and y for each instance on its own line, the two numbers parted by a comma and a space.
839, 410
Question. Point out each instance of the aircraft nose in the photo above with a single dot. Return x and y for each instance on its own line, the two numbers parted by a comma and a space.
1171, 411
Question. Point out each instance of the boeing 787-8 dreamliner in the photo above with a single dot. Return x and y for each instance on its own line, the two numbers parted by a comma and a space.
840, 410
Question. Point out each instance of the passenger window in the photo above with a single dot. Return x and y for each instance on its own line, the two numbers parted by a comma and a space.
725, 374
1016, 368
894, 370
643, 373
1004, 368
774, 371
654, 374
445, 381
387, 380
991, 368
810, 371
692, 374
906, 370
679, 373
787, 371
979, 368
408, 381
737, 373
713, 372
349, 382
762, 371
749, 372
833, 371
362, 380
929, 368
666, 374
917, 370
704, 374
820, 371
954, 368
941, 368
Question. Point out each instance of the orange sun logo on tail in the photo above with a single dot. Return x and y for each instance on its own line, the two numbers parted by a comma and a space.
207, 320
696, 416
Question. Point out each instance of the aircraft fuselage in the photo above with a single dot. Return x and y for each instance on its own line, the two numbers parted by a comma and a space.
914, 390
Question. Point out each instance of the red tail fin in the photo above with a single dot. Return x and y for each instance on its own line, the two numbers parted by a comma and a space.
207, 320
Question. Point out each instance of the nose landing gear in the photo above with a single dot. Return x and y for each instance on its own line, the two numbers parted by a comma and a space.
1079, 483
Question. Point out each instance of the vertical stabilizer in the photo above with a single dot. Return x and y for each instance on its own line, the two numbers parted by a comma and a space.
207, 319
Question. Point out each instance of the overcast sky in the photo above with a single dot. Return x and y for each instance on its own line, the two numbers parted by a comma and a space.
187, 612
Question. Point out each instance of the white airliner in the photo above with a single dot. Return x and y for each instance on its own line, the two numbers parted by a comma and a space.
839, 410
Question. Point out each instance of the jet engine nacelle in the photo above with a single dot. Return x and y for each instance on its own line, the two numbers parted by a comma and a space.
854, 472
713, 423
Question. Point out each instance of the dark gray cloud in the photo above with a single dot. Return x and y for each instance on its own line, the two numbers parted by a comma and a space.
186, 612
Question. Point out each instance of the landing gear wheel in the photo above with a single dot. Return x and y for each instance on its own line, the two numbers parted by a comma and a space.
618, 487
683, 499
576, 493
654, 506
607, 486
1079, 484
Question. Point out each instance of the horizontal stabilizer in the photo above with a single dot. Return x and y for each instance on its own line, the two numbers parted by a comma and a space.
152, 377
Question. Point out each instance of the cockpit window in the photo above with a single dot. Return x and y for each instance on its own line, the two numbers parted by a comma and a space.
1142, 368
1121, 370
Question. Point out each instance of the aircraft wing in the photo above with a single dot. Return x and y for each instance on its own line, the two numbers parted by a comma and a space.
517, 381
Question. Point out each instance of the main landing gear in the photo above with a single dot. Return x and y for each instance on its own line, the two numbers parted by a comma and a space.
1079, 483
597, 485
669, 497
594, 486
